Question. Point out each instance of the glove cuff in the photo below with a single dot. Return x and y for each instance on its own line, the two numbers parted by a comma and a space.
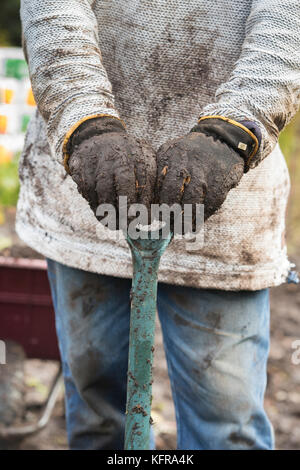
89, 127
239, 137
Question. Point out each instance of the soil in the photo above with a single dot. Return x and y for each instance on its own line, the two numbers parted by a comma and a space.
282, 400
12, 385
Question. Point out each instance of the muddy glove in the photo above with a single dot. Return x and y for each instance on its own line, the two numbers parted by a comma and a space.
203, 166
105, 162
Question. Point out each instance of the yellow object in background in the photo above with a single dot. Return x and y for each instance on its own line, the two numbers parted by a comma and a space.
9, 90
3, 124
8, 95
2, 216
30, 98
5, 155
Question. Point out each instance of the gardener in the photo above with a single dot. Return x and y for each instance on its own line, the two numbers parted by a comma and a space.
114, 81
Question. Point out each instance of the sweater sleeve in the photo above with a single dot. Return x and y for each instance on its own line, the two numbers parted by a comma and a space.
264, 86
69, 82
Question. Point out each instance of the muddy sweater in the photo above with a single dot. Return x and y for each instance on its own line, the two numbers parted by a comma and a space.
159, 65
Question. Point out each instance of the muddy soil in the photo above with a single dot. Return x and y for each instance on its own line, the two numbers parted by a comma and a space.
282, 398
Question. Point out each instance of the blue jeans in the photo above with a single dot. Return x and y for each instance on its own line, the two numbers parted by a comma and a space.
216, 345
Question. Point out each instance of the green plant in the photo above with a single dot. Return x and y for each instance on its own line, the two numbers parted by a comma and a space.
9, 183
290, 146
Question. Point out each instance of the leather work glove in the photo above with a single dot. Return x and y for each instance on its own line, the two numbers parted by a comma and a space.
203, 166
105, 162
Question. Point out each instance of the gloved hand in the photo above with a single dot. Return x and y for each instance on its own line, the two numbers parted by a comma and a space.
203, 166
105, 162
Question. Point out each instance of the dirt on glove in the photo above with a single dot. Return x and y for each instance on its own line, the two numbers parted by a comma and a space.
114, 164
197, 169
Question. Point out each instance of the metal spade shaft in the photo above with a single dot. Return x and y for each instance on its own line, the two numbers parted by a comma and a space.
146, 256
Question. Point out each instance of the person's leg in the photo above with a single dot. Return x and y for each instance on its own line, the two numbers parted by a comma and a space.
92, 321
217, 346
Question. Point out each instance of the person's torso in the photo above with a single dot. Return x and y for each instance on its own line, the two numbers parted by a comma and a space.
166, 59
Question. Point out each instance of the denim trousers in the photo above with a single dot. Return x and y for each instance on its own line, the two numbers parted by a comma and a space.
216, 344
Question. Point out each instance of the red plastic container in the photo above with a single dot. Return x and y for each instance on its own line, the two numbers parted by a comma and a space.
26, 311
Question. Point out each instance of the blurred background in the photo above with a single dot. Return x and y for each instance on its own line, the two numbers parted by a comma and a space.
36, 375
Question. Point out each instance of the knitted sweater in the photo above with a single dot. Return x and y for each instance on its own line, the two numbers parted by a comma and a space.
159, 65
